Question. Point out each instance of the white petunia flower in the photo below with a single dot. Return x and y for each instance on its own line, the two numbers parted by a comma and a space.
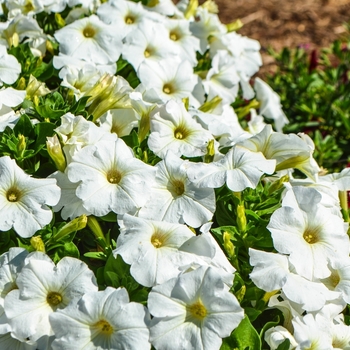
222, 78
102, 320
274, 336
10, 97
206, 24
127, 15
240, 168
44, 288
7, 342
81, 79
167, 79
290, 151
340, 335
244, 51
185, 43
339, 279
270, 105
223, 124
341, 180
273, 272
174, 198
111, 178
11, 264
76, 132
173, 128
157, 257
90, 39
309, 233
119, 121
312, 332
71, 205
149, 42
67, 64
10, 69
24, 200
193, 311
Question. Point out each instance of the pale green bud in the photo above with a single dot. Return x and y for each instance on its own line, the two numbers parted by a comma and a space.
209, 157
234, 26
228, 245
75, 225
278, 184
38, 244
59, 20
211, 6
241, 218
343, 198
191, 9
21, 145
243, 111
95, 227
54, 149
36, 88
209, 106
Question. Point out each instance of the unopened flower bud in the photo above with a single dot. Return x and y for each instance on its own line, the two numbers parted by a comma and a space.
54, 149
95, 227
211, 6
209, 106
13, 40
278, 184
21, 85
75, 225
209, 157
36, 88
38, 244
191, 8
234, 26
21, 145
59, 20
228, 245
241, 218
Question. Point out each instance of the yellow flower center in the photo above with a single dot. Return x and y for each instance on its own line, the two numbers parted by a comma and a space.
28, 7
176, 187
197, 310
333, 280
168, 89
13, 194
89, 32
104, 327
181, 132
115, 129
157, 239
174, 36
311, 235
54, 298
129, 19
147, 53
113, 176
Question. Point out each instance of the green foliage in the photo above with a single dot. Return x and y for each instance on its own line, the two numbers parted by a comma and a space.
315, 95
244, 337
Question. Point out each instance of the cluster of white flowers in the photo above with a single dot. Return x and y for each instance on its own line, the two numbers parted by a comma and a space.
310, 268
185, 116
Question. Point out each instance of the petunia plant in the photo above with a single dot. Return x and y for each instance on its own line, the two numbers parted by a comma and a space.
149, 198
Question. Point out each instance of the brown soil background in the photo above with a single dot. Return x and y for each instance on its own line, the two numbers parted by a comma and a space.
287, 23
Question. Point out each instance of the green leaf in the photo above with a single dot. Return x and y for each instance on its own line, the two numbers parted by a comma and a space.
115, 270
43, 130
244, 337
67, 249
24, 127
284, 346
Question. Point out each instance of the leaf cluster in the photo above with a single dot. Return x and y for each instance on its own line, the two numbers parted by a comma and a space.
315, 94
